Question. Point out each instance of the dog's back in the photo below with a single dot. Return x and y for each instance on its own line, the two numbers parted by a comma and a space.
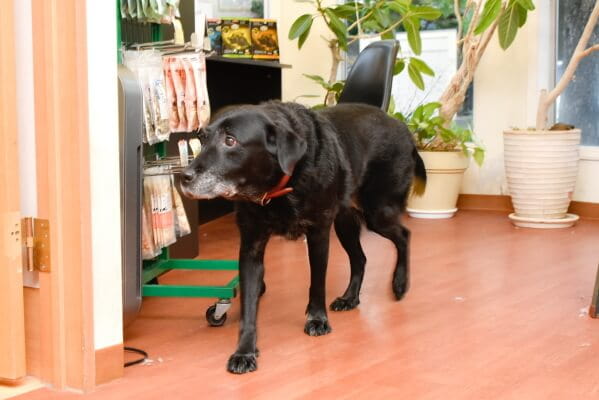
376, 144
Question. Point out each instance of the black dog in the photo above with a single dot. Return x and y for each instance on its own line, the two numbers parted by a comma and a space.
293, 171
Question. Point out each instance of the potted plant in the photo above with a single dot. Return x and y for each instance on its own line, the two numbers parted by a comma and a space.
445, 150
477, 22
542, 164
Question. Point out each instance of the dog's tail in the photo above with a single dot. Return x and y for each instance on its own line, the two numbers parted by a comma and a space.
419, 173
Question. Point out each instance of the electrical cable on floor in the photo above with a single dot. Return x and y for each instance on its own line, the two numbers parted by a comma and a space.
137, 351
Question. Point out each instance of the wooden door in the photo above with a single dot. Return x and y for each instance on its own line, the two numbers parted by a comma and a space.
12, 325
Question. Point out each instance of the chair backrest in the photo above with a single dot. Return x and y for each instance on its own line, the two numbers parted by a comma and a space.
370, 78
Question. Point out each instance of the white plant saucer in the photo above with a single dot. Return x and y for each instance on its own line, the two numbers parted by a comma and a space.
544, 223
432, 214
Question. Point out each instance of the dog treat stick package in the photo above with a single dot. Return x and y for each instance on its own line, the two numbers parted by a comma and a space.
236, 38
198, 63
191, 103
265, 43
178, 76
214, 34
182, 227
170, 95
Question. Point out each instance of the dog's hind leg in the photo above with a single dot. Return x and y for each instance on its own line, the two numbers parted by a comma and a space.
347, 227
384, 220
317, 323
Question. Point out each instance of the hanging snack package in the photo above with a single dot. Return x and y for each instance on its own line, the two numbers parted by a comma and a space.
159, 98
124, 9
214, 34
178, 75
183, 153
148, 248
148, 108
182, 227
170, 95
265, 43
235, 35
198, 62
132, 9
167, 214
191, 105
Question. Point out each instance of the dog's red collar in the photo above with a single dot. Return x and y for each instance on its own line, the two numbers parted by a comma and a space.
277, 191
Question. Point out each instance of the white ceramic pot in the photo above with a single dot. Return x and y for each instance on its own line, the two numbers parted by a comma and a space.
445, 172
541, 169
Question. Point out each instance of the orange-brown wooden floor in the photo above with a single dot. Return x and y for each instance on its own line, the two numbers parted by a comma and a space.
494, 312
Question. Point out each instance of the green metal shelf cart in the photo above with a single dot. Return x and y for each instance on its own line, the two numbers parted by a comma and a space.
216, 314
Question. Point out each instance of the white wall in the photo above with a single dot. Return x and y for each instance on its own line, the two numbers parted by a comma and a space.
313, 59
104, 172
26, 119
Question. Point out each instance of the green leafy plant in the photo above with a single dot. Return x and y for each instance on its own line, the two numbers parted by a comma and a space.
357, 20
432, 133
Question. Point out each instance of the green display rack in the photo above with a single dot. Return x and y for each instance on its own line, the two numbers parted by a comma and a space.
216, 314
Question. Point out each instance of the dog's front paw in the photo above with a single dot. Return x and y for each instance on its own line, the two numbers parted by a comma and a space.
317, 327
341, 304
242, 363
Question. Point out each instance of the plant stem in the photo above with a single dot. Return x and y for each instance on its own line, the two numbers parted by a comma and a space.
336, 58
580, 52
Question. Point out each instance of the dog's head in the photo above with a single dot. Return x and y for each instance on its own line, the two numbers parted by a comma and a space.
244, 154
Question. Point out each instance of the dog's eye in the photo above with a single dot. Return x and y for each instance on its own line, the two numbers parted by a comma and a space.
230, 141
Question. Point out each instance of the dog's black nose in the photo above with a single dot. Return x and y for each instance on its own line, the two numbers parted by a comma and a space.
187, 175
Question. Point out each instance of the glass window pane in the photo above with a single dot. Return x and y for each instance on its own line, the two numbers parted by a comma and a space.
579, 103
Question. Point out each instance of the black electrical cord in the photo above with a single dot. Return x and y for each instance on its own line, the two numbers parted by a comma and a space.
137, 351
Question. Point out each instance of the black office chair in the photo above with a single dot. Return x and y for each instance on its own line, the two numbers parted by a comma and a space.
370, 78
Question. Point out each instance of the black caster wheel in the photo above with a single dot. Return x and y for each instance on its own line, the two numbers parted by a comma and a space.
262, 289
210, 317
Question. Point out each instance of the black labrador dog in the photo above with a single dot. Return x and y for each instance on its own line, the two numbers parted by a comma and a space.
293, 171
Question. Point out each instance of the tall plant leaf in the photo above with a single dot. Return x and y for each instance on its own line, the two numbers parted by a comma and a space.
522, 14
490, 12
415, 76
508, 26
382, 18
425, 12
526, 4
422, 66
399, 6
412, 27
301, 25
400, 64
338, 27
303, 37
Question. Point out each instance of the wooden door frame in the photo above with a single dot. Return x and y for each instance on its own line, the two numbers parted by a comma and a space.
60, 313
12, 334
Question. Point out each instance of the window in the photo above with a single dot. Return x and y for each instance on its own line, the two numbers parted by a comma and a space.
234, 8
579, 103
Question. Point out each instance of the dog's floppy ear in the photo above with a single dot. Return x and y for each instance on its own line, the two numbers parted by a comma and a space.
286, 144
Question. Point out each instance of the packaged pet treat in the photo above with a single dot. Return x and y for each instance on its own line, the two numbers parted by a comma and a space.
265, 43
159, 98
236, 38
170, 95
214, 34
178, 76
182, 227
198, 63
191, 105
